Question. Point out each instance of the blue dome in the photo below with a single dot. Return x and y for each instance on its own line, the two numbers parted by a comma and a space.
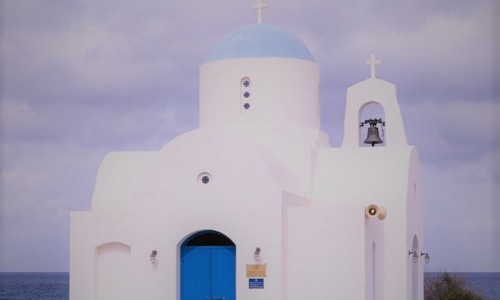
259, 40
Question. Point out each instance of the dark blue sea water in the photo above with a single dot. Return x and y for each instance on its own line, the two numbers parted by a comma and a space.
485, 284
55, 286
36, 286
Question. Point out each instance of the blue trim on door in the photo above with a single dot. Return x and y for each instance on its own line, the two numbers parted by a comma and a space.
223, 273
195, 273
208, 272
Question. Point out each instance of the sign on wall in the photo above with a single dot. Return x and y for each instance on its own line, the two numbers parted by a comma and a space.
258, 270
256, 283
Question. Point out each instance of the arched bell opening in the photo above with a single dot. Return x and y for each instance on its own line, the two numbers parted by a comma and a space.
208, 266
371, 125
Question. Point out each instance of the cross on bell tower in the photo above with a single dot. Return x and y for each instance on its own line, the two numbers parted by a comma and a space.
259, 6
373, 63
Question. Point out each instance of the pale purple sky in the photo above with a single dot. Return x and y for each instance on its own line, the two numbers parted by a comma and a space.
83, 78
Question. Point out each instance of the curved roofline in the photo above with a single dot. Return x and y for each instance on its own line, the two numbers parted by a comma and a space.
259, 40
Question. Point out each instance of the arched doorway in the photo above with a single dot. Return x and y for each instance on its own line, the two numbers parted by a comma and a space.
414, 271
208, 267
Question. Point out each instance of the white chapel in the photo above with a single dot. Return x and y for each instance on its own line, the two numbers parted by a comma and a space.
256, 204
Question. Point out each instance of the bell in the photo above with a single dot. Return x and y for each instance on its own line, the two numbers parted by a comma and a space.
373, 137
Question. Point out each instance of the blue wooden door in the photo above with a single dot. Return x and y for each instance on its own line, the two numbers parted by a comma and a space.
208, 273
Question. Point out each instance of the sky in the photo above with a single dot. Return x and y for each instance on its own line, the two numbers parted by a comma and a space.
83, 78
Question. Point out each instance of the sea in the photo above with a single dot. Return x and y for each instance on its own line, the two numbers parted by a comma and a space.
39, 286
485, 284
55, 286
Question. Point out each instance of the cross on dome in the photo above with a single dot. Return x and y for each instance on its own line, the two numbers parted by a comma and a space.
373, 62
259, 6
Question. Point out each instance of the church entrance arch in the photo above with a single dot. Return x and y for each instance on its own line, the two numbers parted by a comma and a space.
208, 267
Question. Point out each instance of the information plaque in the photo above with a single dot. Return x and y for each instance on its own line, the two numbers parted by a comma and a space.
258, 270
256, 283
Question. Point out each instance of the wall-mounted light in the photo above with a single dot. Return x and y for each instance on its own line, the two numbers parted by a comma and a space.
426, 256
152, 256
374, 210
414, 256
256, 255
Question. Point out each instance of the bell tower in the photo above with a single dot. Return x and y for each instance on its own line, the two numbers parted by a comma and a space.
364, 93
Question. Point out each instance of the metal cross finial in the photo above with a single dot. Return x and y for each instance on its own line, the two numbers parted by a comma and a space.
260, 9
372, 62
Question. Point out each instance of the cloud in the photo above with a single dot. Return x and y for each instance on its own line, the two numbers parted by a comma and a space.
40, 184
459, 208
82, 78
84, 57
434, 55
450, 131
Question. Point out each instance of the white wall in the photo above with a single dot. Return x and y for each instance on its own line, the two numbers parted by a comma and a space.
374, 258
241, 201
325, 253
284, 93
93, 235
378, 175
113, 267
415, 226
274, 184
118, 178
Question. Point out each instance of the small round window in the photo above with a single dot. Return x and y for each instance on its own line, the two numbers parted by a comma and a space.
245, 82
204, 178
